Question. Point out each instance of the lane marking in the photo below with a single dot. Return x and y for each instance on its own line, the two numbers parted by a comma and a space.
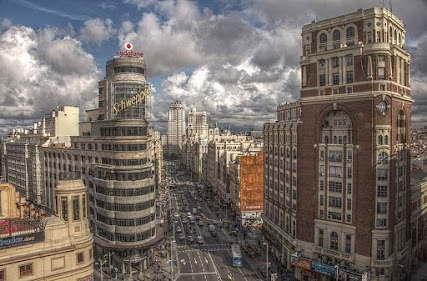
198, 273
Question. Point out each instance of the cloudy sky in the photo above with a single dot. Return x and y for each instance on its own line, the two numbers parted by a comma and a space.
235, 59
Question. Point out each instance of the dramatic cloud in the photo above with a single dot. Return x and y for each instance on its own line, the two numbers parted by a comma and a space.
50, 70
96, 30
244, 59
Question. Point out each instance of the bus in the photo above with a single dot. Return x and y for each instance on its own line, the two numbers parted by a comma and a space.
236, 255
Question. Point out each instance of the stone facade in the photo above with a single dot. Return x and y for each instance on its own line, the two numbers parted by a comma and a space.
38, 246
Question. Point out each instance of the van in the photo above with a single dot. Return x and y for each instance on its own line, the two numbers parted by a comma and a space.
212, 228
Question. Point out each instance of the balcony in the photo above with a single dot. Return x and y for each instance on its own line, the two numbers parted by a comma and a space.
333, 253
382, 263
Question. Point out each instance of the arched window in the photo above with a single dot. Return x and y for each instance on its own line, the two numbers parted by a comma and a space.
335, 140
386, 140
340, 140
336, 35
323, 38
350, 32
326, 139
380, 140
383, 157
334, 241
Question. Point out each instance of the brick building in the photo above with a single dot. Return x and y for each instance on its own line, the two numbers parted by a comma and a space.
347, 145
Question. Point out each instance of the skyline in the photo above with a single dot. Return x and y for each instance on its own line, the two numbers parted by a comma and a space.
235, 60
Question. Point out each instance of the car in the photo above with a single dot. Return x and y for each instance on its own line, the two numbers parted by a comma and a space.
184, 220
181, 236
190, 239
200, 223
178, 229
200, 240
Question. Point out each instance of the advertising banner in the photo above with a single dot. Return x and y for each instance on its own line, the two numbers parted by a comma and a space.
304, 264
324, 269
20, 240
344, 275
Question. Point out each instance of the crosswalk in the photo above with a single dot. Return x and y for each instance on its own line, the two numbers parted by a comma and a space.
206, 247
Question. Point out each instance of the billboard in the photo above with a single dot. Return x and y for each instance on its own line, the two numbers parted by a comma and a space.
324, 269
252, 182
20, 240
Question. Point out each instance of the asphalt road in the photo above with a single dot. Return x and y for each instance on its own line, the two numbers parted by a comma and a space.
210, 260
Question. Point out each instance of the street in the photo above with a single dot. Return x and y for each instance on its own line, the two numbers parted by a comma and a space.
208, 257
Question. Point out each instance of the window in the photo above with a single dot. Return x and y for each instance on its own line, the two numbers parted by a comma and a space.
382, 191
349, 188
335, 61
64, 208
76, 209
381, 73
382, 208
84, 205
323, 38
380, 249
336, 78
335, 186
349, 60
349, 76
80, 258
336, 35
334, 241
25, 270
382, 174
334, 216
350, 32
383, 157
2, 274
321, 237
348, 244
322, 79
335, 202
381, 222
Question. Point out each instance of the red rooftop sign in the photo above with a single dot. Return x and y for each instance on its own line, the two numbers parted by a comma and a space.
129, 52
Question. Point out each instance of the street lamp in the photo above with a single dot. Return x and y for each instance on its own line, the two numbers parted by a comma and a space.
266, 266
102, 261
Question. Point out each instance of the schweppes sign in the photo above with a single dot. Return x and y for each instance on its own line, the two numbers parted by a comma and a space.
136, 99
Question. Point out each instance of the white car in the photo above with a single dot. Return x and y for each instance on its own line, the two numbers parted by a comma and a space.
200, 240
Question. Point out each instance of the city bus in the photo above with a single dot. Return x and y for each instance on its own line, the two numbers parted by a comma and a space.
236, 255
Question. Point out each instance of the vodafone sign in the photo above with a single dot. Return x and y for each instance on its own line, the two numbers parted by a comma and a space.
129, 52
